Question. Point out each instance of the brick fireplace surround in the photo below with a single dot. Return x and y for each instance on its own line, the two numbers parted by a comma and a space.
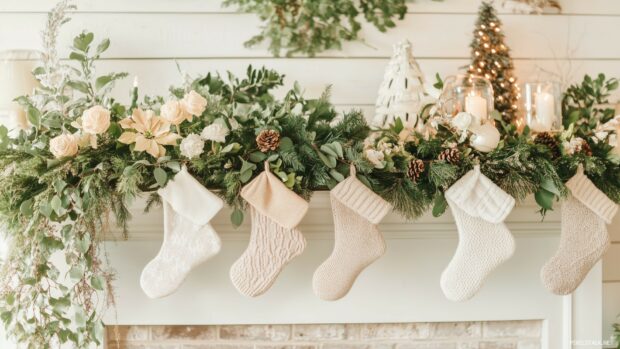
447, 335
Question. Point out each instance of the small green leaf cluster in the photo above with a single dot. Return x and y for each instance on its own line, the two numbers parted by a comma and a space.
310, 27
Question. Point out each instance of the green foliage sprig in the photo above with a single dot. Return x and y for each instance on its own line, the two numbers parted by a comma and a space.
310, 27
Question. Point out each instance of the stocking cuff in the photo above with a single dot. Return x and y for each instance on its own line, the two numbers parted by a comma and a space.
269, 196
478, 196
584, 190
190, 199
355, 195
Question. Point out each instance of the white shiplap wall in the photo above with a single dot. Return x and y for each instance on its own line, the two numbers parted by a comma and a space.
148, 34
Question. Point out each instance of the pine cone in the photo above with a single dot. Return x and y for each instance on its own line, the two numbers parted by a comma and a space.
415, 170
547, 139
268, 140
585, 148
451, 156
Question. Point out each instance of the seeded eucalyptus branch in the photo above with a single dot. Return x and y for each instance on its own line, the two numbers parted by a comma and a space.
310, 27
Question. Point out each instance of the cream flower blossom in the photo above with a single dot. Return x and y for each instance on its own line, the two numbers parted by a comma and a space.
174, 112
96, 120
64, 145
192, 146
215, 132
462, 121
375, 157
150, 132
194, 104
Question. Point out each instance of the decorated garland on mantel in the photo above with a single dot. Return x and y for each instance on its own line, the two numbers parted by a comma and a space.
84, 157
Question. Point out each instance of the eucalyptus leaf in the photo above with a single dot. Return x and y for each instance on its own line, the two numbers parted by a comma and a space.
236, 217
161, 177
544, 198
286, 144
257, 156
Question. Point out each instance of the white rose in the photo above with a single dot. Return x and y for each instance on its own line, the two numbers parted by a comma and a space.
96, 120
462, 121
194, 103
192, 146
214, 132
376, 157
64, 145
174, 113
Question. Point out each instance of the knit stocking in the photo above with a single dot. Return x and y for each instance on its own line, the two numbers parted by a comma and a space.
189, 239
584, 237
358, 242
274, 241
479, 208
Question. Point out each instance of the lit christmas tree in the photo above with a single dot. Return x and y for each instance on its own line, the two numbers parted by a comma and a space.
491, 59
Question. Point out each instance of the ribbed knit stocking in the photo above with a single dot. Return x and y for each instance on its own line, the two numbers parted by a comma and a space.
358, 242
479, 208
584, 237
274, 240
189, 239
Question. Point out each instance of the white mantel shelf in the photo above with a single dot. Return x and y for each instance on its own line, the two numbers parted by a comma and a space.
402, 286
525, 220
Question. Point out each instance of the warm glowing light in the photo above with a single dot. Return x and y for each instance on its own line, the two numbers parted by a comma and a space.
486, 45
493, 51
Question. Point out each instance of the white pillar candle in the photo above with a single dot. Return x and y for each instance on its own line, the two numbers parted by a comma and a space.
545, 111
477, 107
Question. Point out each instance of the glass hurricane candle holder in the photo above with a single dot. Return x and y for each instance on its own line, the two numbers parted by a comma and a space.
467, 93
16, 79
541, 107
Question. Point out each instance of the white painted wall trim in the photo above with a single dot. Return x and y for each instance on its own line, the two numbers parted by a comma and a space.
403, 286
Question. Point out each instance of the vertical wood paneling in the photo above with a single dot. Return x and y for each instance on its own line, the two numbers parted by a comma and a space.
147, 34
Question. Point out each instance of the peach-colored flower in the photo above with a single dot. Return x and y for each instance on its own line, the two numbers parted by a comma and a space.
174, 112
151, 132
64, 145
96, 120
194, 103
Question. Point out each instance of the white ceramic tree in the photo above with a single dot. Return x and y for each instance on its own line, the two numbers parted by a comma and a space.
401, 94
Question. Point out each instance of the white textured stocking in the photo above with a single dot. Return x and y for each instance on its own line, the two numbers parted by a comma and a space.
584, 237
358, 242
189, 239
479, 208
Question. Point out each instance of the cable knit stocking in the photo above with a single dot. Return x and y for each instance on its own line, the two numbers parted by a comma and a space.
479, 208
189, 239
584, 237
358, 243
274, 241
271, 248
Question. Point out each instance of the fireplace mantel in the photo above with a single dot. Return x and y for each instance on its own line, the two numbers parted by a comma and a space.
403, 286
